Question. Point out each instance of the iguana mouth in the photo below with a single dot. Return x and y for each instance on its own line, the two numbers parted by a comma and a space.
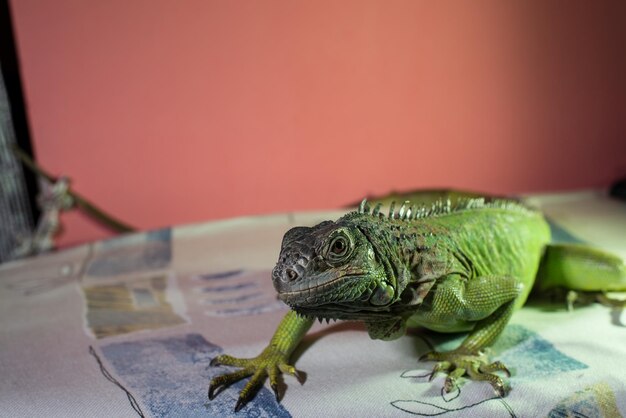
320, 290
336, 311
362, 295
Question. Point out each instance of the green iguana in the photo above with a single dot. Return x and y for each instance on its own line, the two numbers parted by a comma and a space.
449, 268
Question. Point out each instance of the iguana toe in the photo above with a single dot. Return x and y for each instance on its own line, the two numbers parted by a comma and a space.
474, 366
220, 382
270, 363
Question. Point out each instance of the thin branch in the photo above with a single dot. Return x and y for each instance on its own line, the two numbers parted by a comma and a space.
81, 203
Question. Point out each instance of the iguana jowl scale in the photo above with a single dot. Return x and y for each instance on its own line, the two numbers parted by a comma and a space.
448, 268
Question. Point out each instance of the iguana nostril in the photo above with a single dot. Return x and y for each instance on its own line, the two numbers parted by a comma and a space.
291, 274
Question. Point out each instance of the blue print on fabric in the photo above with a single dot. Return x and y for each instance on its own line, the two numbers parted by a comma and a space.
170, 376
231, 287
220, 275
598, 400
583, 408
237, 293
524, 351
133, 253
531, 355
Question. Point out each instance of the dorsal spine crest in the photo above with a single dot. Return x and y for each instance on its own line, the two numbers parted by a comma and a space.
409, 212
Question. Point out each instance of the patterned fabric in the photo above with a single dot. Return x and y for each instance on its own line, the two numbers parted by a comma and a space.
128, 327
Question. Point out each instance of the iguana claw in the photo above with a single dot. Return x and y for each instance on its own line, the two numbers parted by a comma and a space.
475, 366
268, 364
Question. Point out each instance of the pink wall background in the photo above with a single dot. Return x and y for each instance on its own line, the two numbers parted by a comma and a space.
169, 112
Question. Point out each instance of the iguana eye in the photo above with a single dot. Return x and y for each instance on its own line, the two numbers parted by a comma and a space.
340, 248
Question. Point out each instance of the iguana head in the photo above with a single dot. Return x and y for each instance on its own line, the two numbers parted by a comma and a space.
332, 271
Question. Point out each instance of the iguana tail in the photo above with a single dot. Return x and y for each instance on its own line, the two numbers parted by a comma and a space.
581, 268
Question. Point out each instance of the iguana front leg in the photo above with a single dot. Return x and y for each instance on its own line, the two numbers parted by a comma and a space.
488, 302
273, 360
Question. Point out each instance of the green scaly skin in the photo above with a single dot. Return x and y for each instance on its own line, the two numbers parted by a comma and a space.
447, 268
